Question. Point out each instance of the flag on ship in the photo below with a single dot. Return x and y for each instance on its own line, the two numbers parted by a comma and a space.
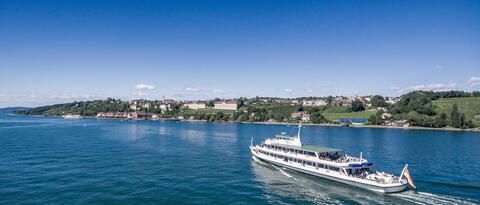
407, 175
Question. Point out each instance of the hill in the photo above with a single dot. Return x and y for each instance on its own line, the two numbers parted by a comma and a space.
12, 109
470, 106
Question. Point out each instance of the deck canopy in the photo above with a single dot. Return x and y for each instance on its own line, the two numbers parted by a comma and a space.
311, 148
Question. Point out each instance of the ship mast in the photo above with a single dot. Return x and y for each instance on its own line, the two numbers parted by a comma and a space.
298, 134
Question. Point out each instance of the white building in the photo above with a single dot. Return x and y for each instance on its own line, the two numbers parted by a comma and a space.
386, 116
133, 107
225, 105
195, 105
301, 115
314, 103
164, 107
146, 105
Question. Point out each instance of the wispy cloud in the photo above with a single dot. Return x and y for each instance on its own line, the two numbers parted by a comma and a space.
143, 88
192, 89
219, 91
425, 87
288, 90
474, 81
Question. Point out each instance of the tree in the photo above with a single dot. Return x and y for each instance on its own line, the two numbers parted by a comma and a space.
329, 100
210, 103
300, 109
357, 105
219, 116
372, 120
317, 117
455, 117
417, 101
277, 117
441, 121
378, 101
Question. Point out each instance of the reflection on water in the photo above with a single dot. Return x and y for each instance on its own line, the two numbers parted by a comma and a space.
278, 181
230, 137
193, 136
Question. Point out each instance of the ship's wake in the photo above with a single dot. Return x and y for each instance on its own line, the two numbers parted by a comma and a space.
280, 184
283, 172
429, 198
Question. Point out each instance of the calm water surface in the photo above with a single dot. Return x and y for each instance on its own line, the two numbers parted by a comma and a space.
57, 161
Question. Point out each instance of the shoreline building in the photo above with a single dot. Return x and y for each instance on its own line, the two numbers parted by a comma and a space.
195, 105
225, 105
303, 116
318, 102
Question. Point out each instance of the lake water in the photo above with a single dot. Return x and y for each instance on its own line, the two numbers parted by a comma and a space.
58, 161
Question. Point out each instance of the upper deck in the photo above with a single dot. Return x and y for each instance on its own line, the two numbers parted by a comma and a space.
310, 148
293, 145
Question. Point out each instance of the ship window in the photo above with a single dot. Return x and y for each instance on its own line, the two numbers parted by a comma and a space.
335, 169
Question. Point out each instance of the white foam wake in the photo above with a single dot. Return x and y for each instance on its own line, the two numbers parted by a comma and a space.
283, 172
434, 199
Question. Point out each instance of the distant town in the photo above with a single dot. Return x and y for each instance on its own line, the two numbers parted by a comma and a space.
455, 109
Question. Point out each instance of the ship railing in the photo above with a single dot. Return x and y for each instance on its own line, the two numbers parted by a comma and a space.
347, 159
379, 177
341, 159
334, 158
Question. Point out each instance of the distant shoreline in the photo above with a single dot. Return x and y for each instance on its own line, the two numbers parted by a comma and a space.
291, 123
364, 126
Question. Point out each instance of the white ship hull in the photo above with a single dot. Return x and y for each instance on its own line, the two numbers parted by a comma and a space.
334, 176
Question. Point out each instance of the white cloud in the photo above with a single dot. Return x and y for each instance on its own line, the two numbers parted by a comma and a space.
474, 81
288, 90
425, 87
192, 89
218, 91
143, 88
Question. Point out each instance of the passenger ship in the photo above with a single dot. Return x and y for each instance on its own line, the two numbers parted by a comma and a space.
328, 163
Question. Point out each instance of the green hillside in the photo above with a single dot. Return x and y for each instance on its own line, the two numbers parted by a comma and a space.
470, 106
284, 110
363, 114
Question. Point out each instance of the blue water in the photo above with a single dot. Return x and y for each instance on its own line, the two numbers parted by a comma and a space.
57, 161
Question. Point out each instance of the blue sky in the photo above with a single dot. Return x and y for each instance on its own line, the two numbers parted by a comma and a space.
60, 51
